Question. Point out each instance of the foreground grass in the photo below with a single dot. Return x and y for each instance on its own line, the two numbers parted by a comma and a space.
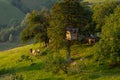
12, 66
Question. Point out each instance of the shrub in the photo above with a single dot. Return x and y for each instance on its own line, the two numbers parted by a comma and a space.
3, 71
6, 70
17, 77
55, 63
25, 58
107, 50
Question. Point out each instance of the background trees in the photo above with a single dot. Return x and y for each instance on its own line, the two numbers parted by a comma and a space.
62, 15
36, 27
42, 26
13, 28
100, 11
108, 48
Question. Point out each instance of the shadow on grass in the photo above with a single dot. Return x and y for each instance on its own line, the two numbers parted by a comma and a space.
4, 71
76, 58
96, 75
31, 67
90, 77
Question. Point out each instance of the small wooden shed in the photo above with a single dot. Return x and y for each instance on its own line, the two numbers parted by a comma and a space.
72, 33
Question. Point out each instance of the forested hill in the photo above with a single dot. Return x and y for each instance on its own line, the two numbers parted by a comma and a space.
8, 12
16, 9
12, 12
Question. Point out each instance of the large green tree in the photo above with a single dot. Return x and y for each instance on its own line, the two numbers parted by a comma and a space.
36, 27
108, 48
62, 15
100, 11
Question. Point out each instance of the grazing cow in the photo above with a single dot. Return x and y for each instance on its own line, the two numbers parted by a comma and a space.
34, 52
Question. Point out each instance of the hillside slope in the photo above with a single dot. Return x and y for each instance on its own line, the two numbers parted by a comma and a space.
38, 4
9, 12
14, 63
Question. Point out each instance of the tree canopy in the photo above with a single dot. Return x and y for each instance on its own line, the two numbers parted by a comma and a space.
36, 27
62, 15
100, 11
108, 48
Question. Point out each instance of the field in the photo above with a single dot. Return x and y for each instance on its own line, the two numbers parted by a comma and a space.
13, 65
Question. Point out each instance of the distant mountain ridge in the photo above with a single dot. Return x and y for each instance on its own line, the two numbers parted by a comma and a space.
13, 11
16, 9
8, 12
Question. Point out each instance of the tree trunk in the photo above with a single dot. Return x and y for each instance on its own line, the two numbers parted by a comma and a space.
68, 56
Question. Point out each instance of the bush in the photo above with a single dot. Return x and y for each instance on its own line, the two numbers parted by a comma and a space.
3, 71
107, 50
55, 63
17, 77
25, 58
6, 70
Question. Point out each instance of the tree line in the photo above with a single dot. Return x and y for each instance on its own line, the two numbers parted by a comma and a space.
45, 26
49, 26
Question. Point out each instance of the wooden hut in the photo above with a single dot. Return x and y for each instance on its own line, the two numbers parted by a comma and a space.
72, 33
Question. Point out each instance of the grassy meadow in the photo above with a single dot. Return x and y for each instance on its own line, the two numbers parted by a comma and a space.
15, 65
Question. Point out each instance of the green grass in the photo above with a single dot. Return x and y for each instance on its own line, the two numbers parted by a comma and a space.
12, 66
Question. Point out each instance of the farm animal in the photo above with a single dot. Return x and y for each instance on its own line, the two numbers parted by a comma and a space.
34, 52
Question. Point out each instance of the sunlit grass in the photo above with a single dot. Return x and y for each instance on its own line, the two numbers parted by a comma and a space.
11, 66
